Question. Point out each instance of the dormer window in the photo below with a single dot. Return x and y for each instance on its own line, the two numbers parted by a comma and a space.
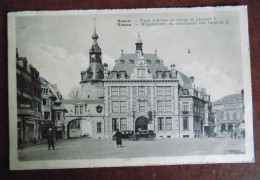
140, 61
157, 61
122, 74
122, 61
148, 61
167, 74
131, 61
159, 74
114, 75
140, 72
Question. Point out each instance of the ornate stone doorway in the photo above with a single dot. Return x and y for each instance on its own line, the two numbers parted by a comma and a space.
141, 123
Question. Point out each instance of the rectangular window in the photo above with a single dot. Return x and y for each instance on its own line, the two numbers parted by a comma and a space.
46, 102
115, 107
168, 106
58, 115
76, 110
99, 127
185, 123
185, 106
141, 90
160, 107
143, 73
160, 124
142, 106
81, 110
139, 73
123, 124
114, 91
168, 124
159, 90
122, 91
46, 115
167, 90
115, 124
123, 106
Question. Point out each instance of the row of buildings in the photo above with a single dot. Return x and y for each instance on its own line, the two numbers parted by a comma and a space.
38, 104
138, 93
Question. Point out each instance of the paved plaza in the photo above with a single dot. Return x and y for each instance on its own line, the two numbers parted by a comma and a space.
86, 148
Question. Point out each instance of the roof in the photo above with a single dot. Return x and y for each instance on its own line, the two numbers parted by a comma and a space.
232, 98
128, 67
184, 80
93, 67
59, 107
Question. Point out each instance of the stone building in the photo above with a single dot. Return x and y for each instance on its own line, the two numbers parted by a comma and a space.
28, 101
85, 115
53, 111
139, 93
229, 113
142, 93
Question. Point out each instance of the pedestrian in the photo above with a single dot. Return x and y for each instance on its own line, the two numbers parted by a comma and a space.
118, 136
50, 136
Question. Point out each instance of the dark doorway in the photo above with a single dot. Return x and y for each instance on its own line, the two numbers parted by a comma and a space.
141, 123
223, 128
230, 127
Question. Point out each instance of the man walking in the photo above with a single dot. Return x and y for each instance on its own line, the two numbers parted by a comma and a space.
118, 138
50, 138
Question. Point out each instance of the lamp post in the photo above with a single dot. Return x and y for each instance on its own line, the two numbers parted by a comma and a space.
134, 111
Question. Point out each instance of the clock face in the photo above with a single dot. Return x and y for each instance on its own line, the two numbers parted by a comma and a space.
93, 56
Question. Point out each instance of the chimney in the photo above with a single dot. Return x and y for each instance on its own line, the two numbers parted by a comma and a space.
173, 71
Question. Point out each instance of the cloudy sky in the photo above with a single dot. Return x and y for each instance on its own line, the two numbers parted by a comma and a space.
58, 46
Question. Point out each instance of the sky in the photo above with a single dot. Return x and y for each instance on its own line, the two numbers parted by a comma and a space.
58, 46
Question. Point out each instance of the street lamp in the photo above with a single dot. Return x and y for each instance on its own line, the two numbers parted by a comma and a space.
134, 111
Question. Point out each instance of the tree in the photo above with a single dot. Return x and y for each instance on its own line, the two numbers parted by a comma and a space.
74, 93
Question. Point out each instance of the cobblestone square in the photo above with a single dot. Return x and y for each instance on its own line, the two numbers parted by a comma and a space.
85, 148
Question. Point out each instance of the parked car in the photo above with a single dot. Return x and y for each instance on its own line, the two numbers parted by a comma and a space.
146, 134
125, 135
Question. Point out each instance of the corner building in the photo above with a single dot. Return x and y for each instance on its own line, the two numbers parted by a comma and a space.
141, 93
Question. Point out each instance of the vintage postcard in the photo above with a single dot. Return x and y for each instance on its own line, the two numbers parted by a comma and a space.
105, 88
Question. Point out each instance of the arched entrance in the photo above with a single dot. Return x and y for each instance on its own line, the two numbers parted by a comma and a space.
223, 128
141, 123
230, 127
74, 128
79, 127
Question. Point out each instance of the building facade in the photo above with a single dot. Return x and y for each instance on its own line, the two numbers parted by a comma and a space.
53, 111
229, 113
140, 93
28, 101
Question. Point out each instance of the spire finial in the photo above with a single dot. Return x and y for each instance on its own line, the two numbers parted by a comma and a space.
122, 51
94, 36
155, 51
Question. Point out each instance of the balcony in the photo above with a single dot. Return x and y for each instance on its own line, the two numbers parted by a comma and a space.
28, 112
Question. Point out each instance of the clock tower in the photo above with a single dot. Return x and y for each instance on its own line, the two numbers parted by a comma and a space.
91, 79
